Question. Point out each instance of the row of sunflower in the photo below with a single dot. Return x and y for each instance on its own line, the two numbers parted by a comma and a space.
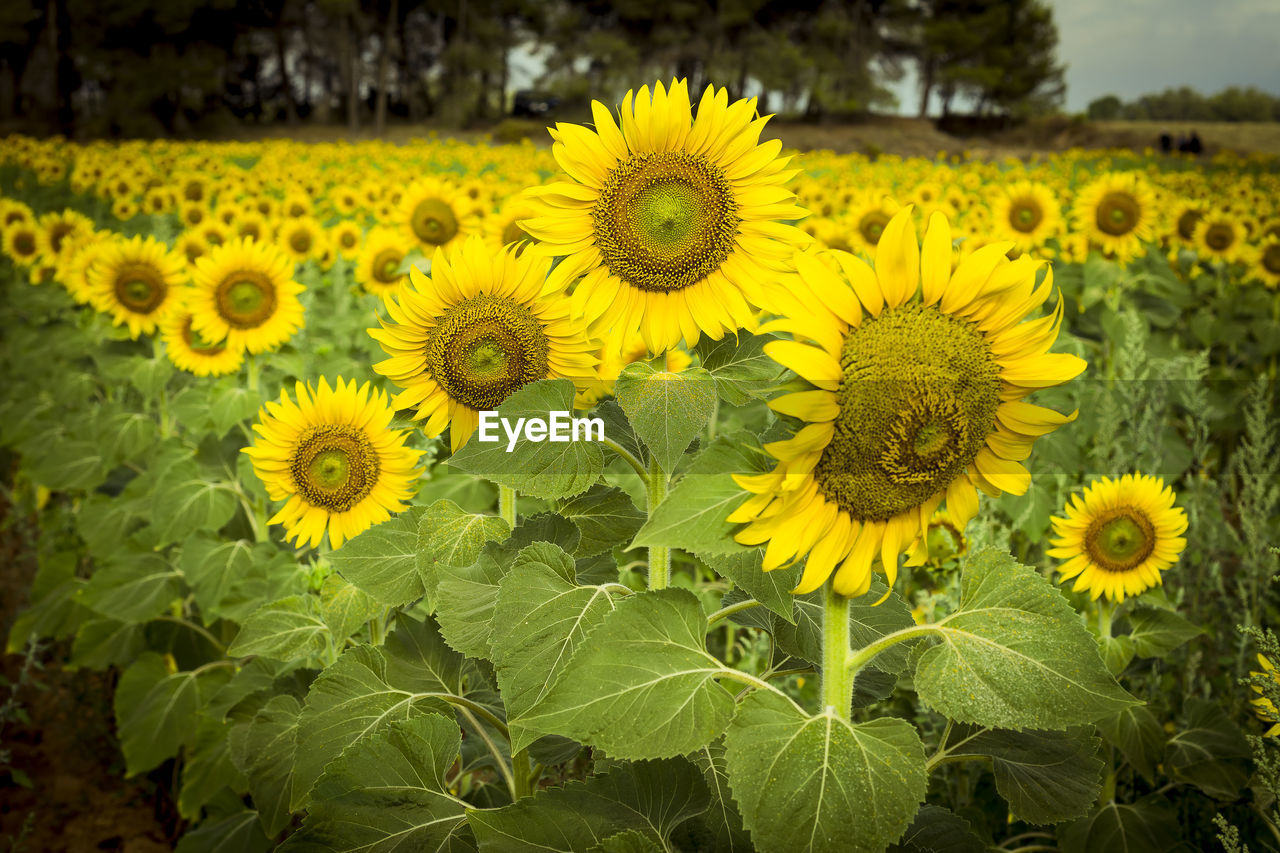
798, 402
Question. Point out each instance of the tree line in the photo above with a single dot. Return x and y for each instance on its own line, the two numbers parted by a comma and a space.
144, 67
1186, 104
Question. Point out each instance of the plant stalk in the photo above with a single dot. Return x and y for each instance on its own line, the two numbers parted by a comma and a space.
659, 556
837, 677
507, 505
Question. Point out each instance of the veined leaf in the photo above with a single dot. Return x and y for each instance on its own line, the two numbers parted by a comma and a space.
667, 410
383, 560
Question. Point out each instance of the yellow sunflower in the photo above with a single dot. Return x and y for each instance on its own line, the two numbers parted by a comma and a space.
73, 272
136, 281
1219, 237
1117, 212
434, 214
1265, 264
1120, 536
916, 400
503, 228
301, 238
1026, 213
479, 327
1262, 706
332, 457
22, 243
190, 352
345, 237
378, 264
244, 295
675, 222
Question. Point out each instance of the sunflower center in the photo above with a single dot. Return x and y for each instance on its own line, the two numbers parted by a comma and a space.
1271, 259
198, 344
1118, 214
484, 349
24, 243
386, 265
513, 233
666, 220
140, 289
434, 222
334, 466
917, 401
872, 224
246, 299
300, 242
1187, 224
1219, 237
57, 234
1120, 539
1026, 216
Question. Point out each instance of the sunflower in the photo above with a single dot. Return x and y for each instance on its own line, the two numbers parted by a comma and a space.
332, 457
1266, 262
59, 228
136, 281
503, 228
190, 352
378, 264
251, 225
193, 213
479, 327
301, 238
1027, 214
1219, 237
917, 400
1117, 213
866, 220
244, 294
345, 238
434, 214
22, 243
74, 269
1119, 536
1262, 706
675, 222
190, 244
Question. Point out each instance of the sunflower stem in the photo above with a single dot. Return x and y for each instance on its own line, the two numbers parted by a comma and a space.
837, 678
255, 367
522, 769
507, 505
659, 556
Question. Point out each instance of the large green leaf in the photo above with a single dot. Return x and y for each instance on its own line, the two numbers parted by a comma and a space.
1147, 826
1047, 777
68, 465
1155, 632
642, 685
1015, 655
1138, 735
382, 561
937, 830
722, 822
667, 410
232, 404
269, 745
448, 535
368, 688
739, 366
290, 629
213, 566
103, 642
1210, 751
541, 469
807, 783
190, 504
540, 619
134, 588
465, 597
345, 607
157, 711
387, 791
771, 589
605, 517
208, 768
651, 798
234, 833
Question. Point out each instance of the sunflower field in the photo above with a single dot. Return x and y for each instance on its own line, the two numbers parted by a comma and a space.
918, 505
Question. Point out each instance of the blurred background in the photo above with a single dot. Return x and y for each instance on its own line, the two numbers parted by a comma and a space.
909, 76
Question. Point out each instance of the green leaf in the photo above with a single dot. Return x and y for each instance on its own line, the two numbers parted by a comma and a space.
368, 688
667, 410
270, 748
207, 768
150, 376
739, 366
68, 466
387, 791
1047, 777
1138, 735
651, 797
540, 619
465, 598
820, 783
285, 630
156, 712
1015, 655
345, 607
256, 676
101, 643
629, 841
140, 586
448, 535
692, 517
213, 566
541, 469
1155, 632
722, 819
771, 589
938, 830
124, 436
1210, 751
1116, 652
230, 405
1147, 826
192, 504
605, 517
641, 686
382, 561
235, 833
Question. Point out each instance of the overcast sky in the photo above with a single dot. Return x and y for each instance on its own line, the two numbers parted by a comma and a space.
1133, 47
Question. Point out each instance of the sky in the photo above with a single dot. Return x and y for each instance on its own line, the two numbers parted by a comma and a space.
1135, 47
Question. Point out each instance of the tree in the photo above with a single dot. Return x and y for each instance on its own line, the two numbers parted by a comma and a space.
1106, 108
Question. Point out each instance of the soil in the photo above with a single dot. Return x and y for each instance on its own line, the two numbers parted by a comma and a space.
79, 799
